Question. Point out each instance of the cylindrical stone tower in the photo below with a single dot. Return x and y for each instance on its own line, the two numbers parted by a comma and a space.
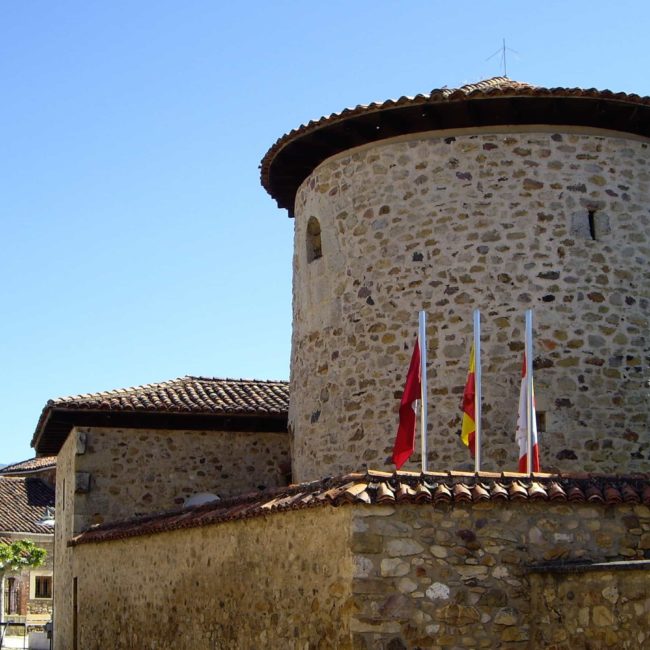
500, 196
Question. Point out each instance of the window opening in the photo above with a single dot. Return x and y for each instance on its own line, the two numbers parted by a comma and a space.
314, 246
592, 223
11, 596
43, 587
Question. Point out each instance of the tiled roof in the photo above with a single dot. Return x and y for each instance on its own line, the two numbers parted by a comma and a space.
22, 504
291, 159
187, 394
206, 398
32, 465
373, 488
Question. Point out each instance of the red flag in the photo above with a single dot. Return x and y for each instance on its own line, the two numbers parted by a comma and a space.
405, 440
468, 427
522, 429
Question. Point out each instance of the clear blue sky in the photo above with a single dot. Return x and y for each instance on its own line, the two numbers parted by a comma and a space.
137, 242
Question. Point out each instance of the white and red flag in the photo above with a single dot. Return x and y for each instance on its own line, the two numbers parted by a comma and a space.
522, 428
405, 440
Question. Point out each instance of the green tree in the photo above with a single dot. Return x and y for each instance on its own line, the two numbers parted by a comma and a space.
16, 556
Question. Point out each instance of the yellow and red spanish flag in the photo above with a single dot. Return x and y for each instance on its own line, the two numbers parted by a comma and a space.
405, 439
468, 427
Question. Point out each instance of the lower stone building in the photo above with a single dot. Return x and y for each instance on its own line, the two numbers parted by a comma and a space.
148, 449
374, 560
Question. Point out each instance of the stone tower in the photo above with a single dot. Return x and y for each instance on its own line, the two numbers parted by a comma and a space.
498, 195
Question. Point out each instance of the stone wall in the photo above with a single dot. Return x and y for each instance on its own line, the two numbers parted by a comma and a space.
372, 578
276, 582
459, 577
447, 222
63, 531
585, 610
133, 471
112, 474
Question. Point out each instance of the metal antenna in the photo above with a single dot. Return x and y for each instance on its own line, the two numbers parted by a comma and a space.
503, 50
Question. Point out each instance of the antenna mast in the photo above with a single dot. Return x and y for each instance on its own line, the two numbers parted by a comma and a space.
502, 52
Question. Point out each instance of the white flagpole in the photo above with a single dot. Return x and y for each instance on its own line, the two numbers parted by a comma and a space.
529, 389
477, 389
423, 383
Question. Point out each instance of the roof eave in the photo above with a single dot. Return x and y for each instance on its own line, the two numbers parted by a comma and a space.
58, 422
294, 156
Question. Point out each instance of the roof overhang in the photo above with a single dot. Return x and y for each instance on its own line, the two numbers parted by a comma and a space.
55, 424
297, 154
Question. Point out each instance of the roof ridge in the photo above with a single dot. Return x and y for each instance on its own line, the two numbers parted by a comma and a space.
491, 82
161, 384
116, 391
238, 380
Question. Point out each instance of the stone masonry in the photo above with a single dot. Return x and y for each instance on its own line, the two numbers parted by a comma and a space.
275, 582
460, 577
494, 218
136, 471
375, 577
582, 609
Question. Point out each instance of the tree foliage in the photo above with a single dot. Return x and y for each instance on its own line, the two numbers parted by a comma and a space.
20, 554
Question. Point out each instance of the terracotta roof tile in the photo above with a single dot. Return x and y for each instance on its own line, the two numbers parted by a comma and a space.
462, 493
479, 493
381, 488
31, 465
422, 494
405, 492
498, 492
442, 494
630, 495
187, 394
23, 501
517, 491
555, 492
575, 494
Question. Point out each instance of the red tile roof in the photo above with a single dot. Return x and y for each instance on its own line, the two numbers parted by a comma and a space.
373, 488
210, 401
495, 101
37, 464
187, 394
23, 502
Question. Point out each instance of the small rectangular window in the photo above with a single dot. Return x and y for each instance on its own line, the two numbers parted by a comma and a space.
43, 587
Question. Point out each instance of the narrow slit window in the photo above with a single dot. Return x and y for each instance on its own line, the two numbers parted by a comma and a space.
590, 224
591, 216
314, 246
